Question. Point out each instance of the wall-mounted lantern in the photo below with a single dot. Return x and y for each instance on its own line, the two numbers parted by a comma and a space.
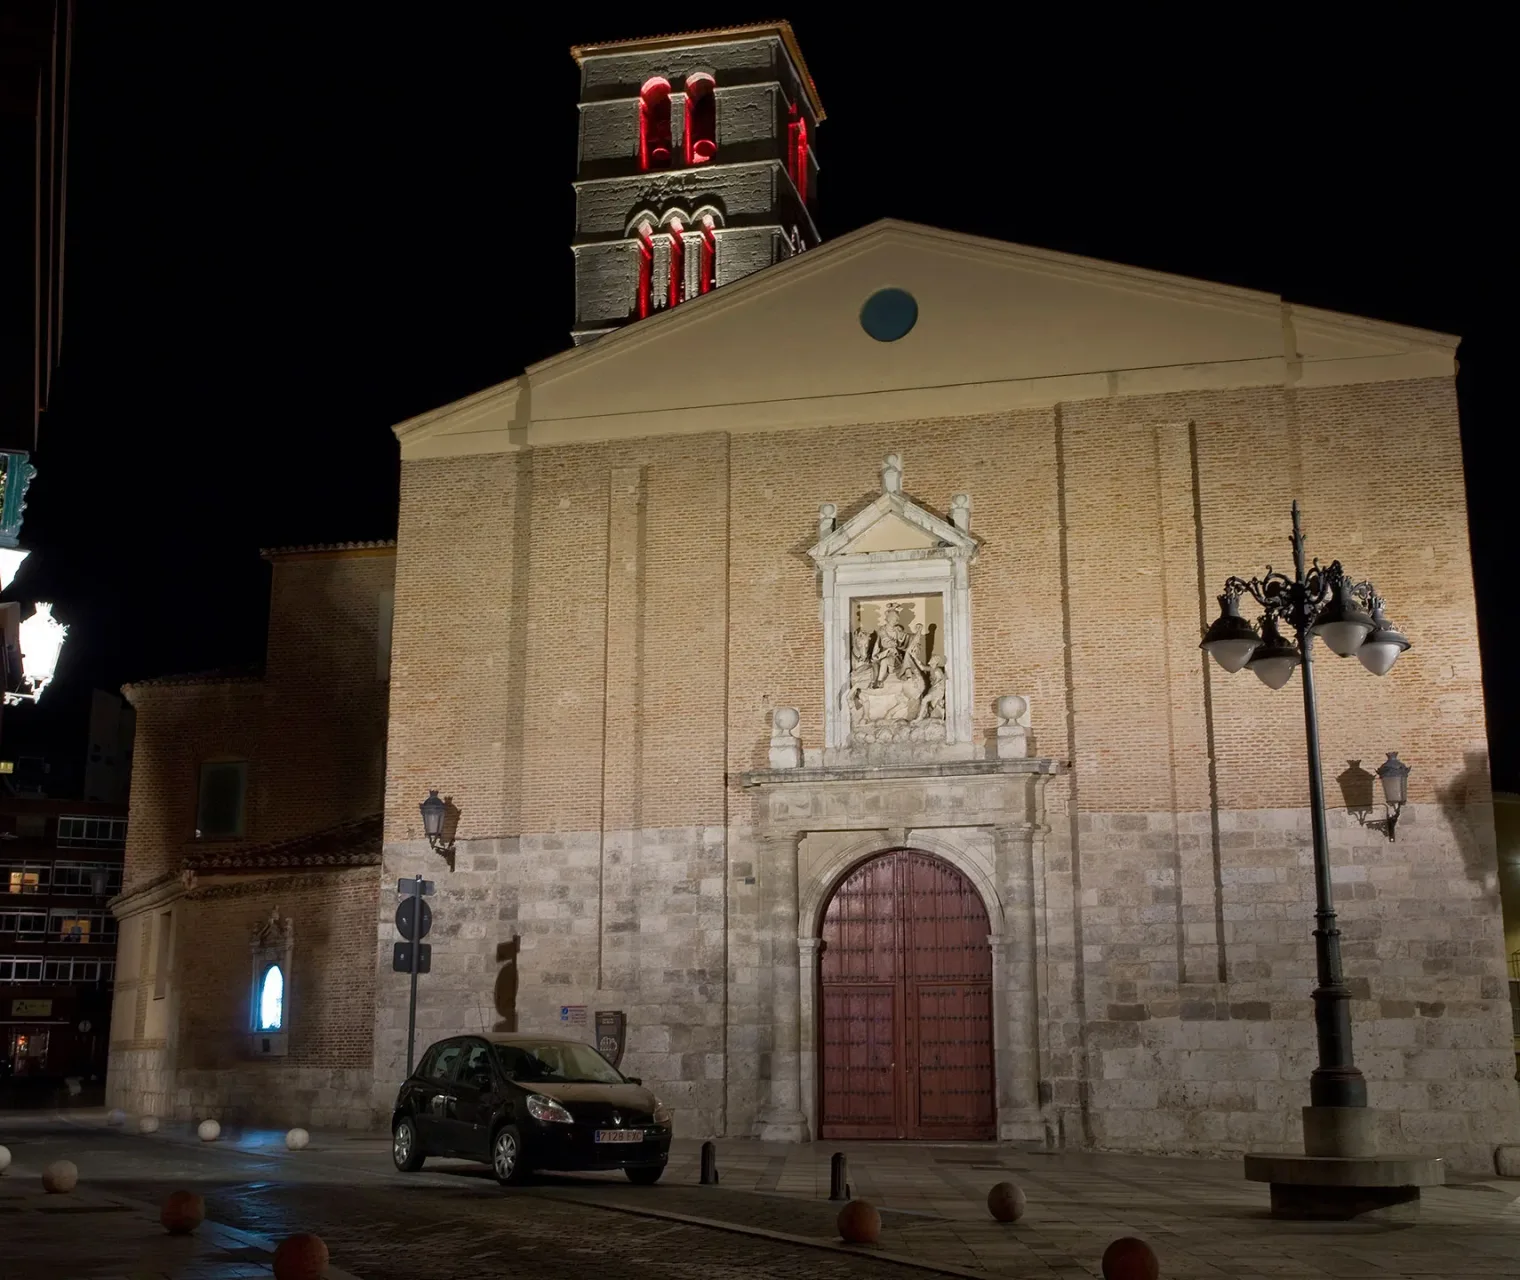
434, 814
1393, 773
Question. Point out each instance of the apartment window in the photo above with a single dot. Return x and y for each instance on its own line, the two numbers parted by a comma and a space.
26, 877
20, 969
91, 833
86, 879
162, 954
24, 925
220, 813
70, 925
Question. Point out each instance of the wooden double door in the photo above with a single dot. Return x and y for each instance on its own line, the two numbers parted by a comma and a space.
906, 1004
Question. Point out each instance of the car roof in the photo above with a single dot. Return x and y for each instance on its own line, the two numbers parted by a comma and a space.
522, 1037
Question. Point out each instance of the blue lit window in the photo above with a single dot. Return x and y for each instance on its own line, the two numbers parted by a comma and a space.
889, 314
272, 999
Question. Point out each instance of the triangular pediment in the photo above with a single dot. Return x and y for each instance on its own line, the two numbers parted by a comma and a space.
997, 326
893, 526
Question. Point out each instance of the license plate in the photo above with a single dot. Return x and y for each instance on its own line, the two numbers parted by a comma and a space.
619, 1135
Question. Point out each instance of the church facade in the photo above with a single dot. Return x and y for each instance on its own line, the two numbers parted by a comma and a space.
812, 672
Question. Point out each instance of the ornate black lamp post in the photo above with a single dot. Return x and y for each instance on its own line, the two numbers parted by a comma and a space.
1348, 617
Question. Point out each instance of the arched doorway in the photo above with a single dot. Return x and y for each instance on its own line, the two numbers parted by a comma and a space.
906, 1007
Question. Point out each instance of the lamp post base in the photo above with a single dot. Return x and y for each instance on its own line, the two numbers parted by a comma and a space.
1334, 1188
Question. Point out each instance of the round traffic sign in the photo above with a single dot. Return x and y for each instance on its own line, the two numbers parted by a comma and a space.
406, 912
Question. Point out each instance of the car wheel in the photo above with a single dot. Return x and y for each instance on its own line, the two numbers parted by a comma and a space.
507, 1156
406, 1150
645, 1177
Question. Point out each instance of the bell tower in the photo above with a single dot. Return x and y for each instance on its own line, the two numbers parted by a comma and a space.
696, 168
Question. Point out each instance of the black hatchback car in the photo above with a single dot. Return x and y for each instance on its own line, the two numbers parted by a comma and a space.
525, 1102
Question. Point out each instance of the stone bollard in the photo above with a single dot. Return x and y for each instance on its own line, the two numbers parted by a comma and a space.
148, 1124
1130, 1258
5, 1159
60, 1177
116, 1117
182, 1212
209, 1131
1006, 1202
297, 1139
301, 1257
859, 1223
709, 1176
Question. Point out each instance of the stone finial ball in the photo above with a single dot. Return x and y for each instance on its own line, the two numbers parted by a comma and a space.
297, 1139
1129, 1258
1006, 1202
786, 718
209, 1130
182, 1212
1010, 707
5, 1159
117, 1117
300, 1257
60, 1177
859, 1223
148, 1124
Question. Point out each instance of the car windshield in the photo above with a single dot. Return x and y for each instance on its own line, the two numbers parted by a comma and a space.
556, 1062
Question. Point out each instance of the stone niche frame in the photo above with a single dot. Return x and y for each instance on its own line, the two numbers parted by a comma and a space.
273, 943
894, 547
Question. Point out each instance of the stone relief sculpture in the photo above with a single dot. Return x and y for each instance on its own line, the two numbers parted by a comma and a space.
892, 683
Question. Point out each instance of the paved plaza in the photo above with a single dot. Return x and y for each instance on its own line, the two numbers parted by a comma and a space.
768, 1217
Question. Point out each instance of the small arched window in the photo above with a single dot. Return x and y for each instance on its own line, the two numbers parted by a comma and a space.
645, 301
272, 999
701, 118
677, 262
654, 124
708, 275
797, 153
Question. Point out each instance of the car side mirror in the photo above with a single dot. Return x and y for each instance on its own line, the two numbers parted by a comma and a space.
633, 1079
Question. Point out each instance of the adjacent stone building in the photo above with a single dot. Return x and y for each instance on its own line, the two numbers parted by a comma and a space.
254, 840
812, 671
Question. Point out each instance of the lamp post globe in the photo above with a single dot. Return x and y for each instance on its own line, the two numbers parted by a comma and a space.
1342, 623
1383, 645
433, 810
1274, 661
1231, 640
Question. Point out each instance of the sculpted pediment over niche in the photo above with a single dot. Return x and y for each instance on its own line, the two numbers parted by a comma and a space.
897, 634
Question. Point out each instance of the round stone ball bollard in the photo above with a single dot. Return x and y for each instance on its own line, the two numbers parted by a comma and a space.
60, 1177
5, 1159
148, 1124
859, 1223
116, 1117
1006, 1202
1130, 1258
209, 1130
301, 1257
298, 1140
182, 1212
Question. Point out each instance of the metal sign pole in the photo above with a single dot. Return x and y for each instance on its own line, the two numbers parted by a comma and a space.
411, 1013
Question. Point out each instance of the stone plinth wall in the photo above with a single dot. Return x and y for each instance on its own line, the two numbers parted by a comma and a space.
139, 1081
1199, 1034
269, 1094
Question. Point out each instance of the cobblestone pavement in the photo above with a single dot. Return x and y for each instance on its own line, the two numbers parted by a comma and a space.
1202, 1218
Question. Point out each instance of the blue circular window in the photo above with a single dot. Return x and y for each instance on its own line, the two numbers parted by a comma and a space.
889, 314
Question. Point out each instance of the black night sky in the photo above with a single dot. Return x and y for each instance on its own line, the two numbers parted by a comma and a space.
287, 232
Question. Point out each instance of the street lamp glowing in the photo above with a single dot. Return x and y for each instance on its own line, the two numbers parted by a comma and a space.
1275, 659
40, 638
1342, 623
1381, 649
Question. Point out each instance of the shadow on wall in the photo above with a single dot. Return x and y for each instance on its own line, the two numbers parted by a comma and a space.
1357, 790
1469, 792
505, 994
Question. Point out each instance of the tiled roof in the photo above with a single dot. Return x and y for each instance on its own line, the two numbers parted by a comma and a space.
711, 35
349, 844
250, 674
329, 548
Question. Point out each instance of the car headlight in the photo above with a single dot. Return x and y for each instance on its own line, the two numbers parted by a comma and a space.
663, 1115
542, 1108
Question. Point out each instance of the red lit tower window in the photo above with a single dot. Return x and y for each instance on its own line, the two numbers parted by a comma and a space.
677, 262
654, 124
701, 118
645, 302
708, 275
797, 152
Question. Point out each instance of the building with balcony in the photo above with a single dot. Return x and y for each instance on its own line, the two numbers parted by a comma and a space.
60, 864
